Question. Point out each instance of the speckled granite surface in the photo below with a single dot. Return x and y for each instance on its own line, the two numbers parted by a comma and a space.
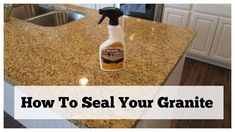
36, 55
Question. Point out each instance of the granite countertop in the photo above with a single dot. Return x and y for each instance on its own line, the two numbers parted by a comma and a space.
62, 55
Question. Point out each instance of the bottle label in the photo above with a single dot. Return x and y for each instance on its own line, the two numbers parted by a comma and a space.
112, 57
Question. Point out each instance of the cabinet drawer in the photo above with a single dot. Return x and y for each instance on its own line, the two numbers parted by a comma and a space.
176, 17
215, 9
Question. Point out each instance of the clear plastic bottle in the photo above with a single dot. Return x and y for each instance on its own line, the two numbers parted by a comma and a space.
112, 51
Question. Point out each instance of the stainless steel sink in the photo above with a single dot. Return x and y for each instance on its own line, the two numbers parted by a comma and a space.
44, 15
24, 11
56, 18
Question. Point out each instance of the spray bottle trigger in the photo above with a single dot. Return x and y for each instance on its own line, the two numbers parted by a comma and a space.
101, 19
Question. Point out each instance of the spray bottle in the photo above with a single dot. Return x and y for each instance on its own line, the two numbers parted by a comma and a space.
112, 51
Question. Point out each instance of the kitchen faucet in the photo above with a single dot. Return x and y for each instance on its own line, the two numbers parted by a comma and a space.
7, 11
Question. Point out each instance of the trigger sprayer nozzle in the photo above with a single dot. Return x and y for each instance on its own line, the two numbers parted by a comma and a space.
112, 13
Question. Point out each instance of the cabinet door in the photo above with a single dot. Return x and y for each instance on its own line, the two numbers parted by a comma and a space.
176, 17
221, 48
205, 26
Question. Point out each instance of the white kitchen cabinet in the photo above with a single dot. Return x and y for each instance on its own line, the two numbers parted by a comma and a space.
176, 17
221, 48
212, 23
212, 43
205, 25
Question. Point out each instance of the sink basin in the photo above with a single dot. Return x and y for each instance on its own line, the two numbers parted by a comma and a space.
44, 15
25, 11
56, 18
